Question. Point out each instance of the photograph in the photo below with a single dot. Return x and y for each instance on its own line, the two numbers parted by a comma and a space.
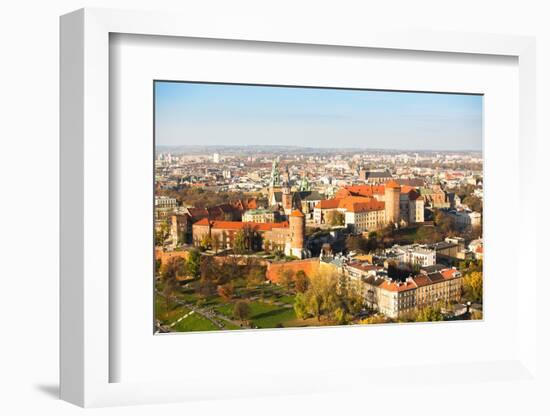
283, 206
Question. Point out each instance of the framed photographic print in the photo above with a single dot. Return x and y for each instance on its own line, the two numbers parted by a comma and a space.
259, 213
281, 207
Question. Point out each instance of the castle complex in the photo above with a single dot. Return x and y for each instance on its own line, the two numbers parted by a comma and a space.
371, 207
281, 196
287, 236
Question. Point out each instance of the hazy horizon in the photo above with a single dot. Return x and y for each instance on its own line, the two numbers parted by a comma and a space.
314, 148
201, 114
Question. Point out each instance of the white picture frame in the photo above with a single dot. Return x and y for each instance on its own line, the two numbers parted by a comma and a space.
86, 355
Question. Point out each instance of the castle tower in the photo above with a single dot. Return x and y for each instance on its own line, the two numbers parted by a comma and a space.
392, 193
297, 225
287, 199
175, 230
286, 175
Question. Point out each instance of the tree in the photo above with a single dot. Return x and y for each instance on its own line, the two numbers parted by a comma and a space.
239, 243
473, 286
429, 314
216, 244
229, 271
255, 276
334, 218
194, 263
465, 190
206, 242
286, 277
173, 268
170, 271
158, 264
473, 202
241, 310
162, 234
375, 319
372, 242
315, 305
341, 316
206, 287
321, 298
386, 235
224, 239
476, 315
301, 306
356, 243
226, 291
209, 272
444, 223
301, 281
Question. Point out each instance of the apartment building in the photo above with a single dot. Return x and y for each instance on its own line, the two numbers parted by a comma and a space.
397, 298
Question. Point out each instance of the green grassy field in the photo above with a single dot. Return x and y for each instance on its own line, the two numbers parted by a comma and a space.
262, 299
192, 322
262, 315
268, 316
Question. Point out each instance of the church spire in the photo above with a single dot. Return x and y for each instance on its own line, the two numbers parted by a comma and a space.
304, 184
275, 179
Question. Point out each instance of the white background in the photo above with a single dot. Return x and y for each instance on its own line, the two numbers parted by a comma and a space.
29, 172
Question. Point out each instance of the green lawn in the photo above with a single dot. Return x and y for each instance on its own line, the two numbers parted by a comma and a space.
225, 309
269, 316
193, 322
264, 313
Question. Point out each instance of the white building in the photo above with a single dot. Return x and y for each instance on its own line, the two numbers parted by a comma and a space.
259, 216
165, 202
411, 208
465, 219
415, 254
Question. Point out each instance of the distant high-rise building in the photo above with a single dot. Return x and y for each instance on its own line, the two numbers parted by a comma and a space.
216, 158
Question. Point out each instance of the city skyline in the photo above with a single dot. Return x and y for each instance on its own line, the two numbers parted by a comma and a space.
202, 114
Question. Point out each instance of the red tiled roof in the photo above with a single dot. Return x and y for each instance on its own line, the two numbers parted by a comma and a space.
366, 206
352, 204
238, 225
365, 267
197, 212
328, 203
398, 286
361, 190
297, 213
421, 280
392, 184
449, 273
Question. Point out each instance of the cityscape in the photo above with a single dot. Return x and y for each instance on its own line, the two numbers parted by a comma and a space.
381, 226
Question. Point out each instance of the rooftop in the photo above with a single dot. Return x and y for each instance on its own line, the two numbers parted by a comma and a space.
258, 211
238, 225
297, 213
392, 185
352, 204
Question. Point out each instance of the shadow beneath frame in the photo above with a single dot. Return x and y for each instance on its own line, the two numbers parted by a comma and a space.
51, 390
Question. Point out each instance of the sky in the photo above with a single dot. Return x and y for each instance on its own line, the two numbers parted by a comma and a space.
229, 114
